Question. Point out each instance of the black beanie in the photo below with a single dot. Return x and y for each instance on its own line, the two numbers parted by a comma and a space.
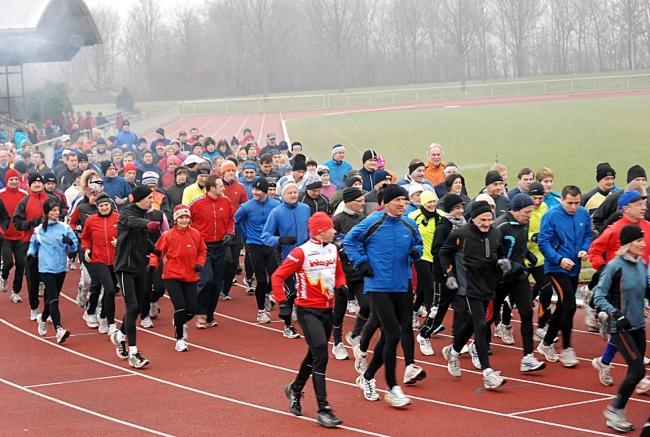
179, 169
103, 197
520, 201
351, 180
450, 201
415, 166
636, 171
630, 233
368, 154
351, 193
106, 165
480, 207
140, 192
261, 184
492, 176
300, 163
393, 191
603, 170
536, 189
34, 177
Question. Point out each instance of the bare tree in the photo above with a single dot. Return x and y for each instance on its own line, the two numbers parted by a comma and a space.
460, 20
365, 26
410, 27
520, 19
562, 25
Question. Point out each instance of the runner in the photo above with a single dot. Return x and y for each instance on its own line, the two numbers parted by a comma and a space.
13, 248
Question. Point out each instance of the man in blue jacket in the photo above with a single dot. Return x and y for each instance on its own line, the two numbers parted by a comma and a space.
286, 228
338, 166
250, 219
382, 248
564, 239
125, 137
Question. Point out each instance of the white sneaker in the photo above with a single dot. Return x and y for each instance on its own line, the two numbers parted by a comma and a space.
352, 341
473, 354
339, 352
590, 319
369, 388
548, 352
604, 372
413, 373
353, 306
360, 363
422, 311
492, 379
643, 386
61, 334
33, 314
42, 326
396, 397
91, 320
154, 310
116, 337
263, 317
416, 322
529, 363
146, 323
181, 346
498, 330
290, 332
615, 419
3, 284
112, 329
103, 326
568, 357
506, 335
425, 345
539, 334
453, 361
15, 298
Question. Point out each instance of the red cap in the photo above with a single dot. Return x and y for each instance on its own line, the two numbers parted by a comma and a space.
319, 222
130, 167
11, 173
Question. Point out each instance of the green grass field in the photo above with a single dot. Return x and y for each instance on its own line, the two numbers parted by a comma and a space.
569, 136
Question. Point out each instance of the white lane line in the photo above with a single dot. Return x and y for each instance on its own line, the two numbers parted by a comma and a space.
176, 385
241, 126
82, 409
214, 134
553, 407
356, 111
72, 381
262, 126
80, 334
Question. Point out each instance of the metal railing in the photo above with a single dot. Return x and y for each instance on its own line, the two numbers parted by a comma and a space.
304, 102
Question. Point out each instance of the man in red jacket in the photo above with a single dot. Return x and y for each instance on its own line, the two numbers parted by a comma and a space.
13, 248
213, 216
319, 273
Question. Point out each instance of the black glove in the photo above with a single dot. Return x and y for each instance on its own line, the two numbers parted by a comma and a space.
198, 268
343, 290
415, 254
622, 322
67, 240
533, 237
285, 310
287, 241
151, 268
532, 259
227, 238
72, 255
364, 270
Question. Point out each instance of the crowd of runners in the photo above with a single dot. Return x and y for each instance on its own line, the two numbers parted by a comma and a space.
313, 241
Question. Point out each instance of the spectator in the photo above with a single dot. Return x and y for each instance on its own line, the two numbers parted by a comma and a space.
68, 174
369, 160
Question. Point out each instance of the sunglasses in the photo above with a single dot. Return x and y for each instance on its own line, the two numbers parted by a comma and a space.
97, 182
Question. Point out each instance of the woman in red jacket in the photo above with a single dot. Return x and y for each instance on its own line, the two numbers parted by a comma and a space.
183, 252
98, 240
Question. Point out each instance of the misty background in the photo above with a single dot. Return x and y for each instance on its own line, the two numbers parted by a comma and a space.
172, 50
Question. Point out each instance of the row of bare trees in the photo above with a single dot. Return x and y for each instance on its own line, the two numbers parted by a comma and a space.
241, 47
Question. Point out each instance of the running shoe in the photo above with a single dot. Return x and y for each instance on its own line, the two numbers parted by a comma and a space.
615, 419
181, 345
590, 319
413, 373
120, 350
351, 340
225, 296
422, 311
211, 323
263, 317
568, 357
473, 354
453, 361
201, 322
249, 285
498, 330
506, 335
529, 363
294, 400
154, 310
425, 345
548, 352
396, 397
492, 379
137, 361
416, 321
146, 323
539, 333
91, 320
103, 326
290, 332
112, 328
604, 371
61, 334
42, 326
340, 353
360, 363
15, 298
33, 314
3, 284
369, 388
353, 306
327, 418
643, 386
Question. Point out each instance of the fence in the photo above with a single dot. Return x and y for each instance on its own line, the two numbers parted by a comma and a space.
414, 95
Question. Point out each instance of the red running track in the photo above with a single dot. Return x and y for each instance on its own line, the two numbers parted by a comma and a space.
231, 382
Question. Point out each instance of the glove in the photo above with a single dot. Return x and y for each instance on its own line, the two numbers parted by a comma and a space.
364, 270
532, 259
67, 240
505, 265
153, 226
451, 283
198, 268
622, 322
285, 310
415, 254
533, 237
151, 268
287, 241
343, 290
72, 255
227, 238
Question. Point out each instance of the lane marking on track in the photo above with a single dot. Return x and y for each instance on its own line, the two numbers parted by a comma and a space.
214, 134
553, 407
262, 126
80, 334
451, 106
241, 126
72, 381
174, 384
82, 409
356, 111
